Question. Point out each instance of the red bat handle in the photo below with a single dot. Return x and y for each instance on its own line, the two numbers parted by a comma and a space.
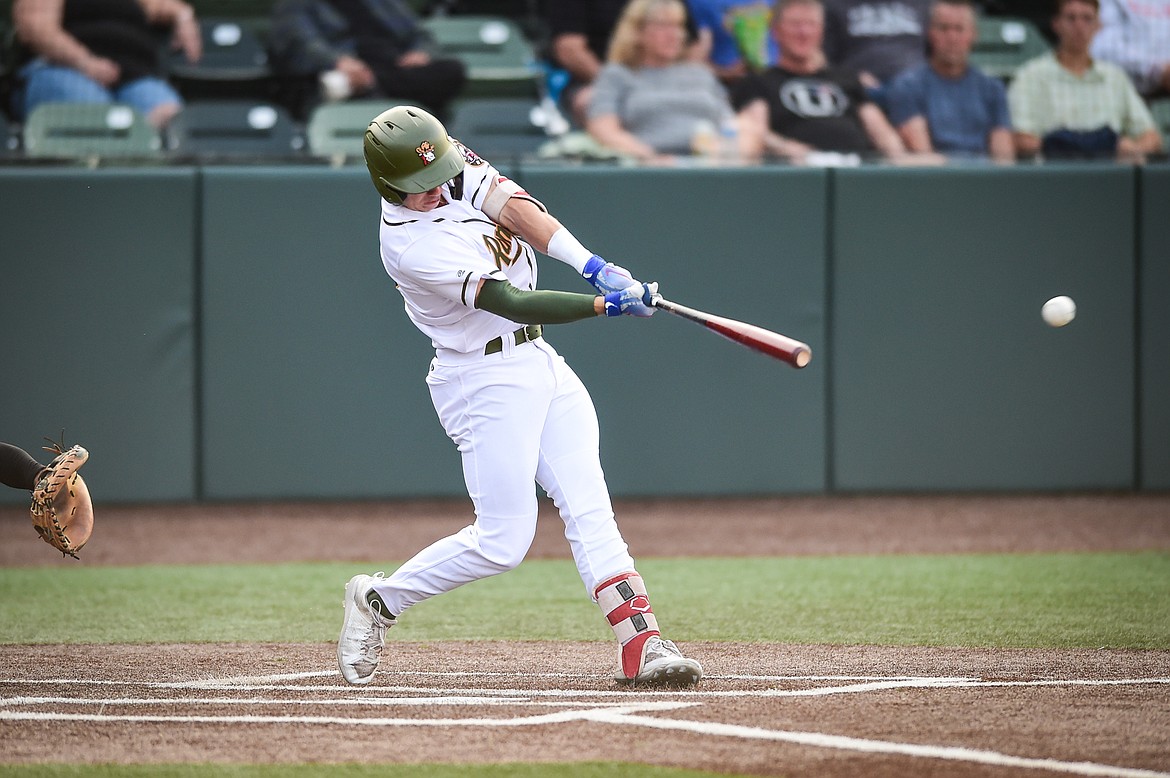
756, 338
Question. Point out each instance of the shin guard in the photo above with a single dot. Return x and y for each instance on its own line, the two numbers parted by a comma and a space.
624, 602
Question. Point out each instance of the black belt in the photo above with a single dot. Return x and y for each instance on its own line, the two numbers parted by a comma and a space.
522, 335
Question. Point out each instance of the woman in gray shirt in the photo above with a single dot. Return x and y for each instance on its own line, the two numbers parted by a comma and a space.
649, 101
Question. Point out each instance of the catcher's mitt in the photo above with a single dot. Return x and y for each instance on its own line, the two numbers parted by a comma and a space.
62, 512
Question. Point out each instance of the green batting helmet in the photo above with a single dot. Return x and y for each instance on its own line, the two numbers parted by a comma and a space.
407, 151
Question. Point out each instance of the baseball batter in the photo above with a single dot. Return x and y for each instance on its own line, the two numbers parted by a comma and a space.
457, 238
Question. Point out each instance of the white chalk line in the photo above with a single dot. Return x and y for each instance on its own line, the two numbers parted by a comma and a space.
840, 742
600, 712
559, 717
15, 702
469, 696
570, 694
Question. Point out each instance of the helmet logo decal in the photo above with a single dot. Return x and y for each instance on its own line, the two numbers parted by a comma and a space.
426, 152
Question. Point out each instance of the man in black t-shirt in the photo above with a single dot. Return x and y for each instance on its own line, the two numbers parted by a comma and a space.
101, 51
803, 105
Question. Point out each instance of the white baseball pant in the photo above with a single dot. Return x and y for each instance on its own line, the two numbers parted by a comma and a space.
518, 416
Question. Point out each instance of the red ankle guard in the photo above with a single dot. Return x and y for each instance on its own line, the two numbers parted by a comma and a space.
624, 602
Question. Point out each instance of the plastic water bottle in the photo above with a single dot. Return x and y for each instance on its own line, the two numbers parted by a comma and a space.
705, 140
729, 140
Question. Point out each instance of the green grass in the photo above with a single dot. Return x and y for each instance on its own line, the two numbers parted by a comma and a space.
580, 770
1011, 601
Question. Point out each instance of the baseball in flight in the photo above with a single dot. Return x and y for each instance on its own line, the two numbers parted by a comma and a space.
1059, 311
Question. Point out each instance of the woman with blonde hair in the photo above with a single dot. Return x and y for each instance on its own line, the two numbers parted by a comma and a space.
649, 101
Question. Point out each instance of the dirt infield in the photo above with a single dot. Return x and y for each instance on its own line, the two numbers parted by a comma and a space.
789, 710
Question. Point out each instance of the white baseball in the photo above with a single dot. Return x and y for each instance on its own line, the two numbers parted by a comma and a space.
1059, 311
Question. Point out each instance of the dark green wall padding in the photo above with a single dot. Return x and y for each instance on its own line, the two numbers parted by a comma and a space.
1154, 328
98, 310
239, 318
945, 376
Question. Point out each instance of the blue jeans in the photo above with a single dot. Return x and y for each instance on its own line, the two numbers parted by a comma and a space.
48, 83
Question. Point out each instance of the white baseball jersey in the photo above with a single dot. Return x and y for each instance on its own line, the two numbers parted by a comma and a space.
437, 258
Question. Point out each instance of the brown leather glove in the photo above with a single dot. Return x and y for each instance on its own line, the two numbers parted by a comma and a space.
62, 512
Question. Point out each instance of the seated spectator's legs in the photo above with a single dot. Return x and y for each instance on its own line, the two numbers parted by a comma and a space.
880, 95
154, 97
45, 83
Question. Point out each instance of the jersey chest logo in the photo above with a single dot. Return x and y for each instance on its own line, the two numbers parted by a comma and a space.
503, 246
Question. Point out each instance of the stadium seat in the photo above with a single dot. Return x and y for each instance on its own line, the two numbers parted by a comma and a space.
495, 127
256, 9
337, 129
234, 128
9, 141
234, 62
500, 61
1160, 108
9, 56
1004, 43
79, 130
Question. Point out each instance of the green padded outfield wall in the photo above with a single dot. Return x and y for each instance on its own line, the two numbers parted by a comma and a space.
682, 410
313, 375
97, 307
945, 377
1155, 327
241, 315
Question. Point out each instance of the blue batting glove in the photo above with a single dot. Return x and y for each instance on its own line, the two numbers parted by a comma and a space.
635, 300
606, 277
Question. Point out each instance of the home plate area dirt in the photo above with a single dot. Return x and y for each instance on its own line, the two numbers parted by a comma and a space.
763, 709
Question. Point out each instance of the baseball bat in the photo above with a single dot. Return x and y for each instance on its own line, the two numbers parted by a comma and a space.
756, 338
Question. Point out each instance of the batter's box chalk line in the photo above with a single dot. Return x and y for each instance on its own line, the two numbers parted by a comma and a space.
612, 707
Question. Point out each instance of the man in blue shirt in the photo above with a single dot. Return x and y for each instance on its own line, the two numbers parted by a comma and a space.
948, 105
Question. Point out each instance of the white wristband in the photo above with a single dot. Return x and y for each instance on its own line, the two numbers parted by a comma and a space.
563, 246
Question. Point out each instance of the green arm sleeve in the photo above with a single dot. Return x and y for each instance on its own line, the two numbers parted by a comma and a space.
534, 307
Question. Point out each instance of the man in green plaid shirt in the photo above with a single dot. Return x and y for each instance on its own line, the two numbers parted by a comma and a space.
1067, 103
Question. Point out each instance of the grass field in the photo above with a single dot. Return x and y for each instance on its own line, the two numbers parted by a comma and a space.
1114, 600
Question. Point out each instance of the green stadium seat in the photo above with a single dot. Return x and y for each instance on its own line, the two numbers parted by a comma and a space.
234, 9
9, 140
234, 62
336, 130
1004, 43
1160, 108
86, 130
496, 127
500, 60
234, 129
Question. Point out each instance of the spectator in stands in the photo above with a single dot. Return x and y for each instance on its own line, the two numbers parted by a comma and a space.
580, 32
802, 104
948, 105
1135, 34
102, 51
1067, 104
649, 100
877, 39
740, 40
379, 46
